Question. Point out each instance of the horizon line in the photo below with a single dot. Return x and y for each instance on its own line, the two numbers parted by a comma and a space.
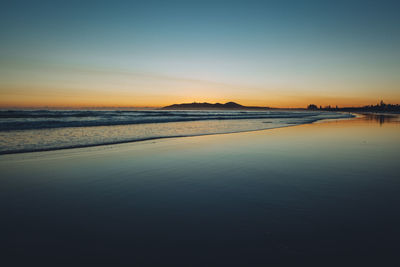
159, 106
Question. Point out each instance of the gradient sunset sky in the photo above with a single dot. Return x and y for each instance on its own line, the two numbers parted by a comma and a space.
155, 53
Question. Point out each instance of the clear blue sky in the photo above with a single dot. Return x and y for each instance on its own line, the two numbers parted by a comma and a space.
149, 53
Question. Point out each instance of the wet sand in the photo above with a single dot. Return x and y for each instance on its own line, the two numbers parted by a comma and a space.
324, 192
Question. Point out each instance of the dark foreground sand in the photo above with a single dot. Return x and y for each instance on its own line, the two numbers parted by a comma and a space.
326, 193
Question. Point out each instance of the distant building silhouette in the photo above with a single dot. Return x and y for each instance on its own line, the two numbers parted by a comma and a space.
312, 107
380, 107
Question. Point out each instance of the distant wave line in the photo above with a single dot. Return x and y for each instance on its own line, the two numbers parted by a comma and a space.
49, 124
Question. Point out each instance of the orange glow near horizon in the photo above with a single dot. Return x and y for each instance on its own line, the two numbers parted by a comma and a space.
33, 84
50, 86
99, 100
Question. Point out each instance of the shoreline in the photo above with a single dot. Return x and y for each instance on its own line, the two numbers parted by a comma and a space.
14, 152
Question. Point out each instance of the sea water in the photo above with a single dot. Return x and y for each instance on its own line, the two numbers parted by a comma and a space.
39, 130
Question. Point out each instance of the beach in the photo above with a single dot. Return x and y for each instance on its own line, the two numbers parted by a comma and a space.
325, 192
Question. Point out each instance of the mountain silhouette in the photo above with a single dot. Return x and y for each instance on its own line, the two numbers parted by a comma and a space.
205, 105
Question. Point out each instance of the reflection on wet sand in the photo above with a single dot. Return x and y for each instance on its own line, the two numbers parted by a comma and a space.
381, 118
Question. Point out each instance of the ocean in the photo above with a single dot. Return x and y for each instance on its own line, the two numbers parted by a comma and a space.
41, 130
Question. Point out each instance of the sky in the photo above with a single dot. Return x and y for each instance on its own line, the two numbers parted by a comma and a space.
156, 53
